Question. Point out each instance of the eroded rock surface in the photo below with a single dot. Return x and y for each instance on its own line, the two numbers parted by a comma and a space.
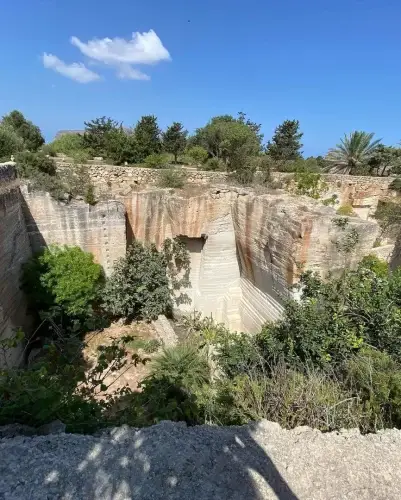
170, 461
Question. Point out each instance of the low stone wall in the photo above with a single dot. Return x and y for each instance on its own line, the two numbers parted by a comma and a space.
362, 192
120, 180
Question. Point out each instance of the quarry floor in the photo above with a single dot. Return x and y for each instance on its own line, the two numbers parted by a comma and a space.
171, 461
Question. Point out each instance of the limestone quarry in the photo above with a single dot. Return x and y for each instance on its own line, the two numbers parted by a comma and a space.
246, 249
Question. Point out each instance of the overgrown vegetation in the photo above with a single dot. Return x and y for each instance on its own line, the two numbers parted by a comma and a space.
332, 361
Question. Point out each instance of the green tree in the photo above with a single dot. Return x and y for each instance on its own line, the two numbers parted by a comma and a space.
107, 138
145, 281
147, 136
286, 142
385, 160
353, 152
228, 139
29, 133
63, 280
10, 142
71, 145
96, 137
175, 139
198, 154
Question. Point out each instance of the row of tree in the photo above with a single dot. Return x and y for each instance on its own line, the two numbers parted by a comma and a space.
224, 143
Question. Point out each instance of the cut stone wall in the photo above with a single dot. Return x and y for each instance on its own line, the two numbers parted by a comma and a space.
246, 250
277, 237
98, 229
14, 251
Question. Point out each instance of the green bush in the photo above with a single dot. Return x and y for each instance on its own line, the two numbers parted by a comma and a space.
378, 266
31, 164
335, 318
10, 143
198, 154
71, 145
139, 286
345, 210
289, 397
309, 184
156, 160
25, 129
376, 377
63, 280
214, 164
172, 178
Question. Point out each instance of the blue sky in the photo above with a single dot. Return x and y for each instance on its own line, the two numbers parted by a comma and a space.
333, 65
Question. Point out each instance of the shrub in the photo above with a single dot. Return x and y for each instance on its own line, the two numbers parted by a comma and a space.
156, 160
309, 184
172, 178
29, 133
345, 210
71, 145
214, 164
198, 154
377, 379
396, 184
31, 164
10, 143
289, 397
64, 281
378, 266
139, 286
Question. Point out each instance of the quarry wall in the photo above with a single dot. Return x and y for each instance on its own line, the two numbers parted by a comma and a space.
246, 250
14, 250
98, 229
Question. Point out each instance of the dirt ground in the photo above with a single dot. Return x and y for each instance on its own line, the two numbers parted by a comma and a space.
130, 375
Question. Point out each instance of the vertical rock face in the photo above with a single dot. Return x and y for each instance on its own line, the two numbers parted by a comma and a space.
206, 224
277, 237
14, 250
246, 250
98, 229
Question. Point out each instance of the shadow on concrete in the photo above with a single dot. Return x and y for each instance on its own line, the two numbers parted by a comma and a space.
166, 461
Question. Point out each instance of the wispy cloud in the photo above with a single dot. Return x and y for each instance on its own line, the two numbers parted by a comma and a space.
76, 71
122, 55
143, 48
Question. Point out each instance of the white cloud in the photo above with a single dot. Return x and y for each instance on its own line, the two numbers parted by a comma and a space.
122, 55
142, 48
127, 72
76, 71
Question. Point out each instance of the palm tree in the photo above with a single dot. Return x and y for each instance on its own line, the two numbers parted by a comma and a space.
353, 151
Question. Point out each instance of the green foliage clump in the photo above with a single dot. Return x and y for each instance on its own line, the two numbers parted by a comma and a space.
147, 136
64, 281
308, 184
10, 142
143, 282
346, 210
376, 265
198, 154
286, 144
228, 139
156, 160
172, 178
29, 133
71, 145
175, 139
